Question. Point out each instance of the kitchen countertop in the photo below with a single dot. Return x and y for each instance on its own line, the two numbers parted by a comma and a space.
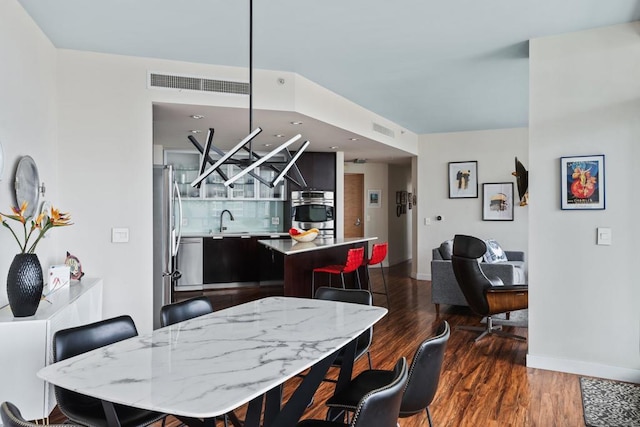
290, 247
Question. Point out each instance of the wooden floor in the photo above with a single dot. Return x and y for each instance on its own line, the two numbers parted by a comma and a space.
482, 384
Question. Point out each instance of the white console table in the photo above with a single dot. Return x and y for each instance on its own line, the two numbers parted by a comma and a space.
27, 344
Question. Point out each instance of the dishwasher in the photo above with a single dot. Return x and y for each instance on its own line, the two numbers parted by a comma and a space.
189, 264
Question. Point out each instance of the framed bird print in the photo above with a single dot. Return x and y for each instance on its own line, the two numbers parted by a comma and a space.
463, 180
582, 182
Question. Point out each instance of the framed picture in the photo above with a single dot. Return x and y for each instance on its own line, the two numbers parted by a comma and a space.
497, 201
404, 198
463, 180
398, 197
374, 198
582, 182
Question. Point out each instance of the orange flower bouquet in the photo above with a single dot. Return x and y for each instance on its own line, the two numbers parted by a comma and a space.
43, 223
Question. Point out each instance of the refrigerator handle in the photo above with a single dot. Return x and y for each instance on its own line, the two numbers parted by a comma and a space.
176, 242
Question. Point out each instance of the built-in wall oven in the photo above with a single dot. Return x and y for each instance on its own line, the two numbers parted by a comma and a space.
313, 209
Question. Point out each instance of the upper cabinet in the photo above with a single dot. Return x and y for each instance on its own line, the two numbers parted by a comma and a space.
318, 170
187, 164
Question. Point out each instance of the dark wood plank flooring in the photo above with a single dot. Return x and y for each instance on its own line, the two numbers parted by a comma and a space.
482, 384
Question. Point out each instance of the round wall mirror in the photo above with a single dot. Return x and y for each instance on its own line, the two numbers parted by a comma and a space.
27, 184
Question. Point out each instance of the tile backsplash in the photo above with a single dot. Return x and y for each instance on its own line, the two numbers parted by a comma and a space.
203, 216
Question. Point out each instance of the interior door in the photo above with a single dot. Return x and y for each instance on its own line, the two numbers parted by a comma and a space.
354, 205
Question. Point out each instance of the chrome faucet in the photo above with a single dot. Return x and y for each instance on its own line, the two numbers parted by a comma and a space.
221, 215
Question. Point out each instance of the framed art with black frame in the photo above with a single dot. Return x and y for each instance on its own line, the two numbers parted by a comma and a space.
463, 180
497, 201
582, 182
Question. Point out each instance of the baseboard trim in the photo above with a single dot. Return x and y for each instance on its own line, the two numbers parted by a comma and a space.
423, 276
583, 368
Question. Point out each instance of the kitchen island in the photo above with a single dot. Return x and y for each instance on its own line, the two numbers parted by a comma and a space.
301, 258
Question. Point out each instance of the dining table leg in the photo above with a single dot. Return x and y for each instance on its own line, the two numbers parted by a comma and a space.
110, 413
293, 409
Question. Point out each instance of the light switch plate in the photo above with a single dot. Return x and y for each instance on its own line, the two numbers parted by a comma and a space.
119, 235
604, 236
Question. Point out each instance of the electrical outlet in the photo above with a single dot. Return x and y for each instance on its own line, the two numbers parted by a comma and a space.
275, 220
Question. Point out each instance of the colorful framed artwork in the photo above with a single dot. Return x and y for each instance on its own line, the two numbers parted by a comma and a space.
497, 201
582, 185
373, 196
463, 180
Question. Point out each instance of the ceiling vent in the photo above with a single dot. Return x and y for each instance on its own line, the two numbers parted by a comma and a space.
198, 84
359, 161
383, 130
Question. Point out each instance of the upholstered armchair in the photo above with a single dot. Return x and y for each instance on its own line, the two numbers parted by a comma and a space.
444, 287
485, 297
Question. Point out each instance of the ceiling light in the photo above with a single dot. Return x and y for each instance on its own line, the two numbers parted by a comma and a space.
196, 116
267, 145
248, 164
195, 131
334, 147
353, 139
279, 135
296, 123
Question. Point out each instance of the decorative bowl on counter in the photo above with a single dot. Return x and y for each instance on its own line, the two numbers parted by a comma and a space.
302, 235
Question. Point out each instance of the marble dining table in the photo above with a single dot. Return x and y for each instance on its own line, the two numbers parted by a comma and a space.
208, 366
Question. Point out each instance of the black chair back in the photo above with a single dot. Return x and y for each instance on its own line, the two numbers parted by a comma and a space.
11, 417
381, 407
81, 339
355, 296
185, 310
472, 281
424, 373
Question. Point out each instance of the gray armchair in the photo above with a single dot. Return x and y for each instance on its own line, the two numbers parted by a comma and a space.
444, 287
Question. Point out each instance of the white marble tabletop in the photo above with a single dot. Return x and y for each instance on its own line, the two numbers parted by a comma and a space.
210, 365
290, 247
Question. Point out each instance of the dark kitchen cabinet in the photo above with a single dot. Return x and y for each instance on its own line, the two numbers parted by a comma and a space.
230, 259
271, 264
318, 170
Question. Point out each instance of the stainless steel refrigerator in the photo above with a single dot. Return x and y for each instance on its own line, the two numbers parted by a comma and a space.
167, 222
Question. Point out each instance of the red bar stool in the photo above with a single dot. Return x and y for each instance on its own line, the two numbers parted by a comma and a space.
355, 257
378, 254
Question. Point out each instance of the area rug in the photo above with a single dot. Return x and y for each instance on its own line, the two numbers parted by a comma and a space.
518, 319
609, 403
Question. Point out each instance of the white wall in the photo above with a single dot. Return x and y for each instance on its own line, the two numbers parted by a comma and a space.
584, 299
400, 227
495, 152
376, 219
27, 125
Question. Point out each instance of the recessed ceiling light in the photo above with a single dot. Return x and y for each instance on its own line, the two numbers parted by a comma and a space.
353, 139
195, 131
296, 123
334, 147
267, 145
279, 135
196, 116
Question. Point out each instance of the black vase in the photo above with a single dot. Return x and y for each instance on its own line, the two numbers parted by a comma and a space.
24, 285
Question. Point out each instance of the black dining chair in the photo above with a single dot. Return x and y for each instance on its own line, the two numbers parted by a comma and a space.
422, 384
378, 408
11, 417
185, 310
87, 410
355, 296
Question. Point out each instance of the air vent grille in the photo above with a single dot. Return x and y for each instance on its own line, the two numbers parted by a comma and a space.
383, 130
198, 84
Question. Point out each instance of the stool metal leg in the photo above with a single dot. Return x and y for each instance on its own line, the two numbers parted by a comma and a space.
384, 281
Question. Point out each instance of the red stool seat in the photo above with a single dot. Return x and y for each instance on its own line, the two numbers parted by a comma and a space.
378, 254
355, 258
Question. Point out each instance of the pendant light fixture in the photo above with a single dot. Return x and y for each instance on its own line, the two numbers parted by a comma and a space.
247, 165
